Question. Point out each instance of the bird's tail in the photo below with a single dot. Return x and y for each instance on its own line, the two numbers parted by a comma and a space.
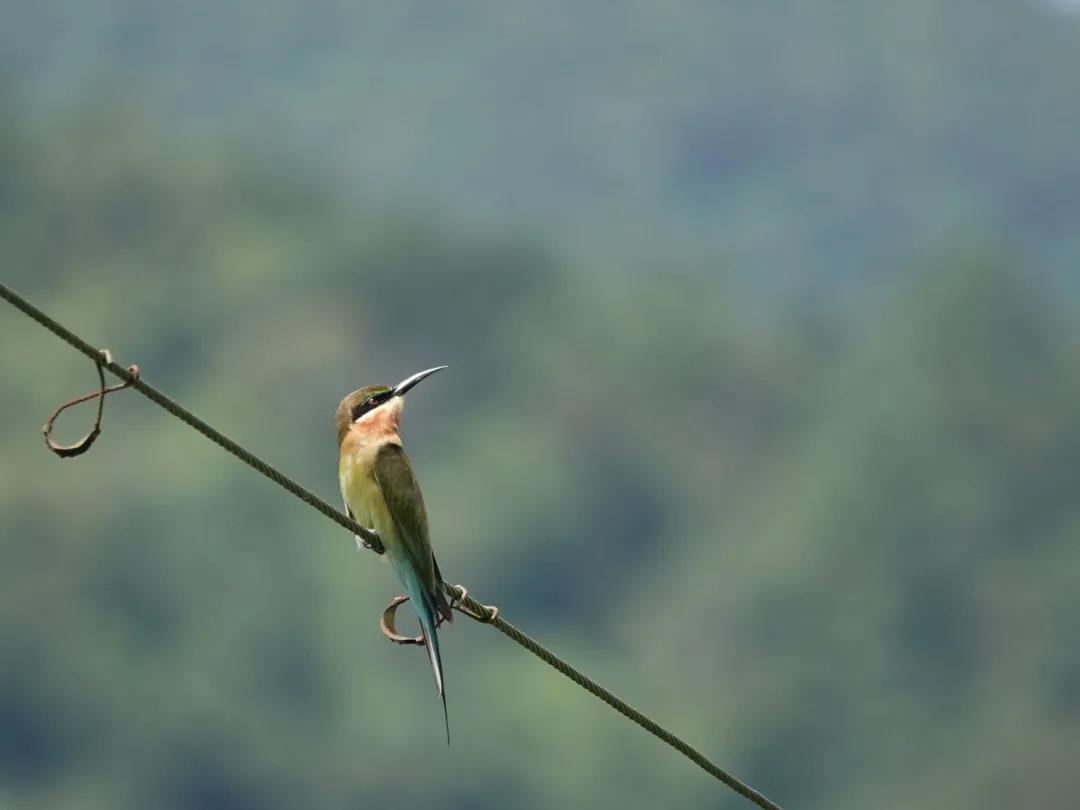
426, 612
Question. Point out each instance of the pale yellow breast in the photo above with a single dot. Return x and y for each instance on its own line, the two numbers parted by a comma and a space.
359, 488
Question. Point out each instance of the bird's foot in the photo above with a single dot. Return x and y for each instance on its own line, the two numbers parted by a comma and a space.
372, 544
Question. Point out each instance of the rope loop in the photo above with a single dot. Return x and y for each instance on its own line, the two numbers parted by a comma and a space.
102, 361
488, 614
460, 603
389, 627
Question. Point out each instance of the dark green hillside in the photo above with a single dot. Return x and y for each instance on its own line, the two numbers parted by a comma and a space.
844, 567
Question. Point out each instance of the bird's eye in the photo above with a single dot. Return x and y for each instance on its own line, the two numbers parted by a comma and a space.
372, 401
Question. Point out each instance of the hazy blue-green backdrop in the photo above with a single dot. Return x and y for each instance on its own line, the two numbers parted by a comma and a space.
763, 323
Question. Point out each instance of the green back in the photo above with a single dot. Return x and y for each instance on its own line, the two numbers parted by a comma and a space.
395, 478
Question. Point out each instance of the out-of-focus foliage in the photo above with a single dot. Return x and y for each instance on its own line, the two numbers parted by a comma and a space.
806, 142
842, 563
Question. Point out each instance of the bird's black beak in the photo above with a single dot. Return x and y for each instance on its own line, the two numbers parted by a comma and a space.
409, 382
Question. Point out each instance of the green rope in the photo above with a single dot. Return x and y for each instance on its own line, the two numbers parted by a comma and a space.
311, 499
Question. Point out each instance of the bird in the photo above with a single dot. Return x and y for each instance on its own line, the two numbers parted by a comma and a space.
381, 492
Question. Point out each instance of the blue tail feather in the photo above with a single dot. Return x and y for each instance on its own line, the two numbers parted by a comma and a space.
425, 612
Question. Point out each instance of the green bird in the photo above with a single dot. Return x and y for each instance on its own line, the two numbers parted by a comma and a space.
381, 492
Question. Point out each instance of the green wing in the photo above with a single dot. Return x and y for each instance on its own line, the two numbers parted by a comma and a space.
395, 478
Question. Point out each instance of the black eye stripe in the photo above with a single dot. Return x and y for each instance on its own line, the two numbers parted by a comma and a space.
367, 405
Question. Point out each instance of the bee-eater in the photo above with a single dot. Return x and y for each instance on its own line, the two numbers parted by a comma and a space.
381, 492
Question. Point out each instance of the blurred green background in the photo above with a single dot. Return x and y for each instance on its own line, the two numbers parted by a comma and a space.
764, 332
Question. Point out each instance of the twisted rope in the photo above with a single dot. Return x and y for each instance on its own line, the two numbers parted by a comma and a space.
473, 608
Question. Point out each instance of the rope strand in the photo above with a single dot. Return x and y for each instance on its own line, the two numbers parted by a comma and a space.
311, 499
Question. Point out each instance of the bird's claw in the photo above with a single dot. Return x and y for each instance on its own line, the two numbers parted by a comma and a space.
373, 543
